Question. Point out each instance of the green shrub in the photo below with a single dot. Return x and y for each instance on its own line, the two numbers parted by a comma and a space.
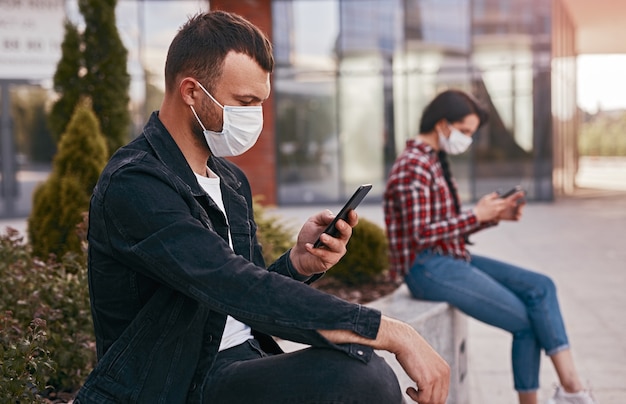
366, 259
274, 235
25, 362
59, 202
49, 318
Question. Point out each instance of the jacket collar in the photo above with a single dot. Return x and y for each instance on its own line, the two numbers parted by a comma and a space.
169, 154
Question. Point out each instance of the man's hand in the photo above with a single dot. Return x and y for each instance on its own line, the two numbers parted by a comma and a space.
429, 371
419, 360
309, 260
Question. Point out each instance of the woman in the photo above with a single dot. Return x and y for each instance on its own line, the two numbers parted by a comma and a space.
428, 233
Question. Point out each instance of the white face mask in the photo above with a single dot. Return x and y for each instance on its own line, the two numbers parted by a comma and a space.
241, 129
456, 143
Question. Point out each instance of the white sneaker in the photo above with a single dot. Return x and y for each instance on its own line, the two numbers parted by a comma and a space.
563, 397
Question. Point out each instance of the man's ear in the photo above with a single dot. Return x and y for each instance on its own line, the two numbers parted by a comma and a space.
188, 90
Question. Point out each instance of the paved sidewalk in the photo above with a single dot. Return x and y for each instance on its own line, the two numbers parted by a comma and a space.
580, 242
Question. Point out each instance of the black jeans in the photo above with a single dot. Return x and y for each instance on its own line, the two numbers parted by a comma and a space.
246, 374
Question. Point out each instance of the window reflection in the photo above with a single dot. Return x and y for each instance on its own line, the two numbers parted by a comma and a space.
305, 100
354, 76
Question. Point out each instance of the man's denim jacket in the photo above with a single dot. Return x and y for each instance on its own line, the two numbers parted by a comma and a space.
162, 278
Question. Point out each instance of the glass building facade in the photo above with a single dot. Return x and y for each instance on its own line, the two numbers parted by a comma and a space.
353, 76
351, 80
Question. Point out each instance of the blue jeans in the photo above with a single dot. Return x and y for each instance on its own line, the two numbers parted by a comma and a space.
246, 374
514, 299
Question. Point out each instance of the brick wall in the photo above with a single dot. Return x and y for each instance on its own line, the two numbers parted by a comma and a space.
259, 163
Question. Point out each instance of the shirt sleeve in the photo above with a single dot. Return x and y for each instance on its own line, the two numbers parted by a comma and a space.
430, 211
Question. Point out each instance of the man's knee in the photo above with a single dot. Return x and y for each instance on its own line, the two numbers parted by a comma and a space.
375, 381
387, 379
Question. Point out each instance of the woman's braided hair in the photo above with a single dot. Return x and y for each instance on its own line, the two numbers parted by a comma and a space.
447, 174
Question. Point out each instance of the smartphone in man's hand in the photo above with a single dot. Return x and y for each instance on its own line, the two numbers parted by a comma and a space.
352, 203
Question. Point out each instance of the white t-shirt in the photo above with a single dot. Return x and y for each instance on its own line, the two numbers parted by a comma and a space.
235, 332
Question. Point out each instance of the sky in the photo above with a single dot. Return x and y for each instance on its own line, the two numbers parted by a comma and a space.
601, 82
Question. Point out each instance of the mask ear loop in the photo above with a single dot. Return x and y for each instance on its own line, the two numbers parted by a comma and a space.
196, 115
209, 94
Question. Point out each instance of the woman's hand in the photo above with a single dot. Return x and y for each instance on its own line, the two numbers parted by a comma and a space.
489, 207
513, 206
309, 260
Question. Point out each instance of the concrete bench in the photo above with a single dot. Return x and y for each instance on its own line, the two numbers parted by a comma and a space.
443, 326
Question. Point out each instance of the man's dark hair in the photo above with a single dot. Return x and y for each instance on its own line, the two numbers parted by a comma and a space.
202, 43
453, 106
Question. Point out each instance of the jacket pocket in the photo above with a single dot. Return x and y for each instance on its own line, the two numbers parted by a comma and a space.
125, 349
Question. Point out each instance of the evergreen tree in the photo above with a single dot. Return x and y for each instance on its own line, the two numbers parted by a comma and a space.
94, 65
66, 81
106, 80
59, 203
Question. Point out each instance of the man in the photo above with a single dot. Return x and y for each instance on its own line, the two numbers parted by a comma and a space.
182, 304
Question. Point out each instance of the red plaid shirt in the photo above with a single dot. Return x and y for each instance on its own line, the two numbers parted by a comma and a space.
419, 210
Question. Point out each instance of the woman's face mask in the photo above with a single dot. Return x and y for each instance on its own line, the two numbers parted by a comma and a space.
456, 143
241, 129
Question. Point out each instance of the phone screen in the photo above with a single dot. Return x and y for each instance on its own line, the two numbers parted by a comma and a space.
352, 203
